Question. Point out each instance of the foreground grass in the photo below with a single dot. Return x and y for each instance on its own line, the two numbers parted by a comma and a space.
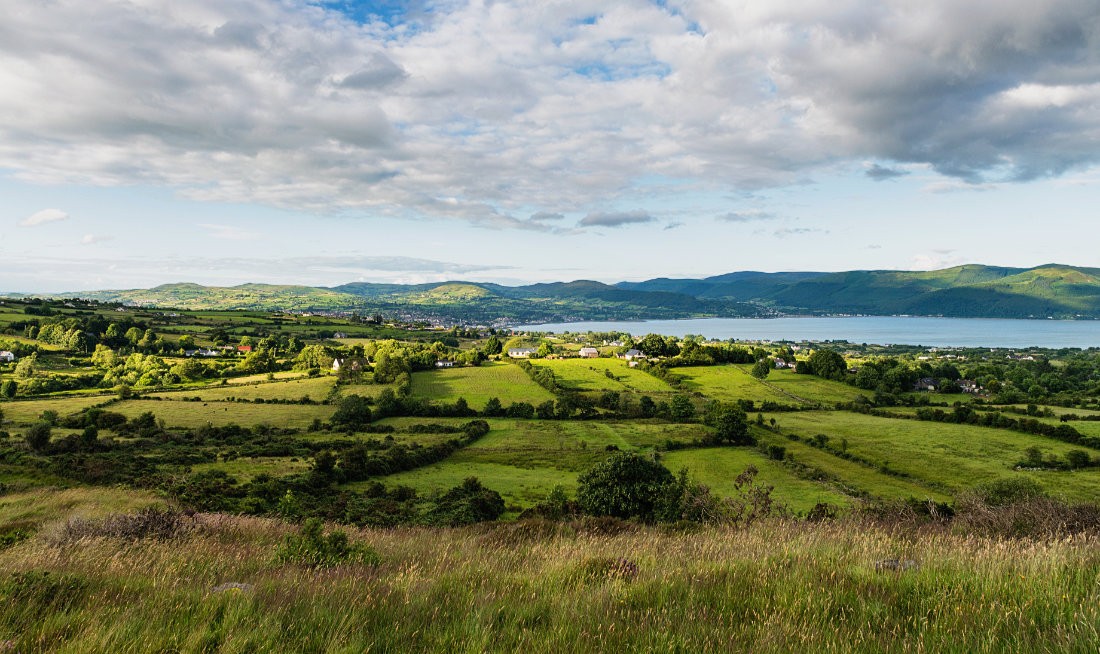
772, 587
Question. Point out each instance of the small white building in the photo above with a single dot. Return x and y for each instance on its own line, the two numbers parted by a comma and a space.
336, 364
6, 357
589, 352
444, 363
521, 352
634, 355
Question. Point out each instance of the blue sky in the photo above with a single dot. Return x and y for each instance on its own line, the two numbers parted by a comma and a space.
321, 143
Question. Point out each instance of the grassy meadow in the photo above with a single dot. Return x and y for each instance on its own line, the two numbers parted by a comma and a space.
775, 586
946, 457
197, 414
504, 381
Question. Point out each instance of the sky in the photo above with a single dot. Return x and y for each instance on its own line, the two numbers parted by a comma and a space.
323, 142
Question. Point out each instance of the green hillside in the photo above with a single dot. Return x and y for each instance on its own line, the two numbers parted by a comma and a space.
963, 291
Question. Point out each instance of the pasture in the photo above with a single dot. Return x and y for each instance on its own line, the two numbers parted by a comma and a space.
197, 414
591, 375
730, 383
316, 388
24, 412
504, 381
942, 456
718, 468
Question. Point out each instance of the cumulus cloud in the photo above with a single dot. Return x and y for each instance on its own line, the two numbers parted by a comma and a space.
483, 112
545, 216
882, 173
43, 217
616, 219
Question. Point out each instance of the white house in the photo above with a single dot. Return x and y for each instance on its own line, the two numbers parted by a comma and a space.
336, 363
443, 363
7, 357
589, 352
521, 352
633, 354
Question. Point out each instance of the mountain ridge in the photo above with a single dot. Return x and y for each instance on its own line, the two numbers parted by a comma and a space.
971, 290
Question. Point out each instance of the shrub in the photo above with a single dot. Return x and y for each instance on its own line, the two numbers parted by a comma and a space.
466, 504
626, 485
38, 436
151, 523
311, 547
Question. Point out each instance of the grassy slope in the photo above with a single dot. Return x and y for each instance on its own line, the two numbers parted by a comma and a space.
503, 381
946, 457
773, 587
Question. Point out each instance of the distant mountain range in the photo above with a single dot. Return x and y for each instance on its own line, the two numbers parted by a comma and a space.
972, 291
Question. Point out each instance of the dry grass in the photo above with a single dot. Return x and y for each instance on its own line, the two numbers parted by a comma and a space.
774, 587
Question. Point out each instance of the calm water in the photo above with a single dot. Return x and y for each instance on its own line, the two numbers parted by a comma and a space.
881, 330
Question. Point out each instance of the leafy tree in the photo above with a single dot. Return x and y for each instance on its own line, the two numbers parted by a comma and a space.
828, 364
493, 345
9, 388
104, 357
1078, 459
732, 426
313, 356
353, 413
680, 409
493, 408
27, 366
38, 436
762, 368
626, 485
545, 411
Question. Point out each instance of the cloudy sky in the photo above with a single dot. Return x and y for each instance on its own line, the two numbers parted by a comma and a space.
322, 142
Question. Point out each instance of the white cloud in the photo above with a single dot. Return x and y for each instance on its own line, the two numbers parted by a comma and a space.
43, 217
485, 112
92, 239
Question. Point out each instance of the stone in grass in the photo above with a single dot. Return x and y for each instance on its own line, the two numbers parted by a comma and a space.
233, 587
896, 565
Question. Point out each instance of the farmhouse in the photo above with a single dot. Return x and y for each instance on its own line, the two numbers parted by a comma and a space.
925, 384
6, 357
632, 354
521, 352
589, 352
444, 363
244, 348
200, 353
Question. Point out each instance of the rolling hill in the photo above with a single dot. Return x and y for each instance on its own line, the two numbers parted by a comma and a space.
974, 291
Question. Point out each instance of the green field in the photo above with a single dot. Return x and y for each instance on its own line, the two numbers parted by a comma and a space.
853, 478
22, 412
245, 468
718, 468
730, 383
809, 388
527, 458
316, 388
477, 385
197, 414
590, 375
949, 457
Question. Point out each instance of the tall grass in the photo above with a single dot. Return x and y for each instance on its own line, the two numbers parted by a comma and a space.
777, 586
